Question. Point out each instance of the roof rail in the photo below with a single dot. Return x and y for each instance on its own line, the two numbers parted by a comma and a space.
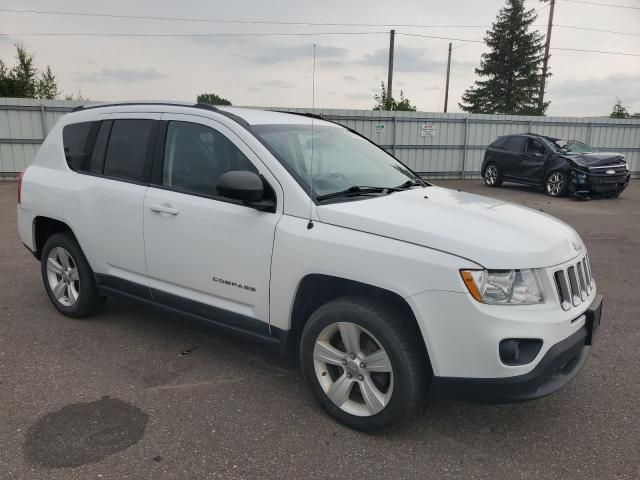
303, 114
132, 103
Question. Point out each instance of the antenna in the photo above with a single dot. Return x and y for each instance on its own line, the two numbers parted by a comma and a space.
313, 106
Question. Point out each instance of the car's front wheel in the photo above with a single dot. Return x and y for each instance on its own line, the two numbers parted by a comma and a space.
364, 363
68, 278
556, 184
493, 175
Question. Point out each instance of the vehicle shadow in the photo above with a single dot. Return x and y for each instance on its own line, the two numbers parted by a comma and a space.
212, 350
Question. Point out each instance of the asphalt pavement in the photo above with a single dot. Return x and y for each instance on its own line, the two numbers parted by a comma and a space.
135, 393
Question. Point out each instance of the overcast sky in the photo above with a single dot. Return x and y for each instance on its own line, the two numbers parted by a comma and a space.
276, 71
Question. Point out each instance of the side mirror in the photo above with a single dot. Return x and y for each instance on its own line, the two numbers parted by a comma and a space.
538, 154
246, 186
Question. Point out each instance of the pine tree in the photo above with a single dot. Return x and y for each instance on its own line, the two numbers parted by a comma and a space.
24, 80
511, 71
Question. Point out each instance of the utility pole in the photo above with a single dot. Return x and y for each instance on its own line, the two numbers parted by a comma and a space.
390, 78
446, 88
545, 62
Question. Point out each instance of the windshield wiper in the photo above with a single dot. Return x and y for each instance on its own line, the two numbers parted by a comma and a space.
355, 191
412, 183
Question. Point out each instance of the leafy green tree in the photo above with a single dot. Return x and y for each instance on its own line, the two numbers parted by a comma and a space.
384, 101
212, 99
24, 80
619, 111
511, 72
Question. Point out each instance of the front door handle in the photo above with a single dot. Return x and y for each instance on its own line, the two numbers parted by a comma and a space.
164, 208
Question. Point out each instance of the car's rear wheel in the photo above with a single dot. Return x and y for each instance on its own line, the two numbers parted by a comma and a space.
493, 175
556, 184
364, 363
68, 278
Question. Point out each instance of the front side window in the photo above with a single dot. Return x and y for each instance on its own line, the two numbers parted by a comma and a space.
126, 155
195, 156
534, 146
338, 158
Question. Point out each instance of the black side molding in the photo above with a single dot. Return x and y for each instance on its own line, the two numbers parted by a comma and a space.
200, 312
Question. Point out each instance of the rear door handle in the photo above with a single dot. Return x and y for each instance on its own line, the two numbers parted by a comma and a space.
164, 208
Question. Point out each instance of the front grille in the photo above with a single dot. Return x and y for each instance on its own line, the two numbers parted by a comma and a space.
620, 170
574, 283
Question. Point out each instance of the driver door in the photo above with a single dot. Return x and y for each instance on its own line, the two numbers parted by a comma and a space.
207, 254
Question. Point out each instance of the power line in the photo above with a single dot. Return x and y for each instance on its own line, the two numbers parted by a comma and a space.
271, 22
590, 29
602, 4
115, 34
439, 37
271, 34
597, 51
233, 21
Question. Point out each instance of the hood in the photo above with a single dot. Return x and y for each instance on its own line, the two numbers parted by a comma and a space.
596, 159
492, 233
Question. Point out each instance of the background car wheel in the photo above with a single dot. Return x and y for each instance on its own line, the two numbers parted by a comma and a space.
68, 278
556, 184
492, 175
365, 363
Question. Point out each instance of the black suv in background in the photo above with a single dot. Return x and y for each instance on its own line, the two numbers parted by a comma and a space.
551, 163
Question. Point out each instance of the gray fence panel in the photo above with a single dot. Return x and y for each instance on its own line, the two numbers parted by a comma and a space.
450, 145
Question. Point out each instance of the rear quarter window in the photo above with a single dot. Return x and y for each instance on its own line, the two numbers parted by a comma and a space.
77, 140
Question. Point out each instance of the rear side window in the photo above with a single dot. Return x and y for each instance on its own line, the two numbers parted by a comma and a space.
78, 140
126, 155
515, 144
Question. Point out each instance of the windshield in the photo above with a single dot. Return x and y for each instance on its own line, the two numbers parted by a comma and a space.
341, 159
574, 146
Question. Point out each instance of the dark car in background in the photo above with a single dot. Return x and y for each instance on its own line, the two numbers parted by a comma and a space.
559, 166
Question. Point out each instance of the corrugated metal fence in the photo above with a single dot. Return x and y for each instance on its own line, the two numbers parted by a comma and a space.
453, 144
435, 144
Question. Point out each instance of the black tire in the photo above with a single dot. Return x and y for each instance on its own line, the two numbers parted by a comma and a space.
88, 299
397, 333
556, 184
489, 178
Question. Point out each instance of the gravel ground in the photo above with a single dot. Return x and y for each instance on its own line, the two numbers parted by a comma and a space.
137, 393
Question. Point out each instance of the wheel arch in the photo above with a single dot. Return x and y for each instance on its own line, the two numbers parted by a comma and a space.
43, 228
315, 290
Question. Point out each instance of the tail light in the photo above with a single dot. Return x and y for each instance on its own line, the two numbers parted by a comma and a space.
20, 185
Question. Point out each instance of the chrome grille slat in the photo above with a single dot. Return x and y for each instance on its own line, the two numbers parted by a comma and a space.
574, 283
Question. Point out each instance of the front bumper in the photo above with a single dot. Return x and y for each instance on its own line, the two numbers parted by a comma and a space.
598, 185
560, 365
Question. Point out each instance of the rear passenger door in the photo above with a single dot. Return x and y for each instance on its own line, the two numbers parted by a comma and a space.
117, 178
513, 148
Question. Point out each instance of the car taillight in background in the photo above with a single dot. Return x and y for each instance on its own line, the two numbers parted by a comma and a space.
20, 185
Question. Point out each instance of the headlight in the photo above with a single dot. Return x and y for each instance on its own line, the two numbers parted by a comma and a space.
503, 287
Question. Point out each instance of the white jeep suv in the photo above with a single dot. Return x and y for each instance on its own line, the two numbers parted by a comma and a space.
300, 232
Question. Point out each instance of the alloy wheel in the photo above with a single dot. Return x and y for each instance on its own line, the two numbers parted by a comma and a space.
353, 369
555, 184
63, 277
491, 175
